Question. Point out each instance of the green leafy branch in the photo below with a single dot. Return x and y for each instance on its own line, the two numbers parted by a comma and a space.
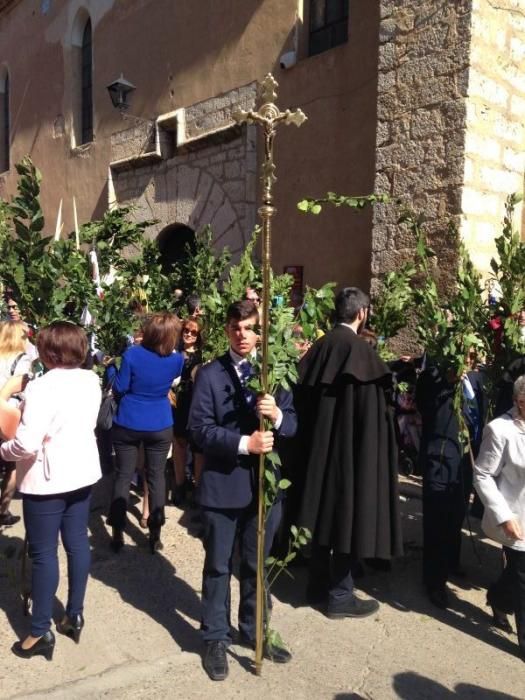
391, 307
508, 278
449, 328
316, 311
300, 537
315, 206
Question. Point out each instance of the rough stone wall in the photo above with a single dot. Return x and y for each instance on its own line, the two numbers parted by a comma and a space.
209, 116
210, 178
422, 86
495, 139
214, 185
132, 142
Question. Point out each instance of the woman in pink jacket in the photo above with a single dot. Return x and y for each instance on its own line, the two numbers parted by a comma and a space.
56, 465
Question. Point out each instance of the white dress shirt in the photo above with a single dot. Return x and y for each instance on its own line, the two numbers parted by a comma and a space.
237, 360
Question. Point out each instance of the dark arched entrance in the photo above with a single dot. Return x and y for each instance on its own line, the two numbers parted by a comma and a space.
173, 242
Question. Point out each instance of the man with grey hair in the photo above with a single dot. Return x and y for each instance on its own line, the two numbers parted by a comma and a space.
350, 500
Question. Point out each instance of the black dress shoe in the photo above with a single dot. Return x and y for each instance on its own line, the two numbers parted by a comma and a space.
500, 619
155, 544
214, 660
117, 540
71, 627
499, 616
8, 519
352, 608
44, 647
439, 597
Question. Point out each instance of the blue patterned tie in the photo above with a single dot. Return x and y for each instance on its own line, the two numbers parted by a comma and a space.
246, 371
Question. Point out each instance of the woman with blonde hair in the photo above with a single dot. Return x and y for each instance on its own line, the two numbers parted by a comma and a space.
14, 362
144, 418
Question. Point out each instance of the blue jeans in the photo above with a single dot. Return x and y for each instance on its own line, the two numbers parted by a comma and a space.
44, 518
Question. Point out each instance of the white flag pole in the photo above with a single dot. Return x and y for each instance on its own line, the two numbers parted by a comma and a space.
58, 228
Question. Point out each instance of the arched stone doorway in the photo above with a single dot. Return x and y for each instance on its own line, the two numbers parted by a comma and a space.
173, 242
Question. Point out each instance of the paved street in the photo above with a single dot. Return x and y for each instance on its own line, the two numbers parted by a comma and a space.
141, 638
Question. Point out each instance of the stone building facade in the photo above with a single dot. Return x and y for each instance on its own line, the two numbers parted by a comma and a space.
495, 123
177, 155
203, 170
421, 100
451, 124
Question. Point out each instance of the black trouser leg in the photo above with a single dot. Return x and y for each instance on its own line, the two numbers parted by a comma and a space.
456, 516
516, 566
342, 584
319, 574
156, 449
499, 594
126, 443
443, 513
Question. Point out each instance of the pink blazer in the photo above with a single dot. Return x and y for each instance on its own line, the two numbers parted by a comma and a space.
55, 447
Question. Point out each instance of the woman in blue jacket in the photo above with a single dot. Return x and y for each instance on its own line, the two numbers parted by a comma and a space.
144, 417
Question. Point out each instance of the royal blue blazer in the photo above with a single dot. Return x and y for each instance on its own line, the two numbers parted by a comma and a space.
141, 385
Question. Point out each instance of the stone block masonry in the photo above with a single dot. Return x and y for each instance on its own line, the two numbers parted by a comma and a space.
495, 124
211, 182
451, 124
422, 86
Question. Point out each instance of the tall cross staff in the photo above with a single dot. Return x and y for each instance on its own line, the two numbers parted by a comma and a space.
268, 116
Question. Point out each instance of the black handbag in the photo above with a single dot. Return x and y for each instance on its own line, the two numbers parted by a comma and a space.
108, 408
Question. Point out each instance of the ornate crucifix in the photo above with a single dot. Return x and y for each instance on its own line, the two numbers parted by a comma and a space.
268, 116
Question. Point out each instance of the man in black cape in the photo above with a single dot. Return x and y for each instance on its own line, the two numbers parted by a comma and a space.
350, 495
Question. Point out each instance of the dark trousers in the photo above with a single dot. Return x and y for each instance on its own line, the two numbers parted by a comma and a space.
508, 592
443, 514
221, 528
330, 576
44, 518
156, 447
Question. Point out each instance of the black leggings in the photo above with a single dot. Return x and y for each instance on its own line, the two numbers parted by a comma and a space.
156, 448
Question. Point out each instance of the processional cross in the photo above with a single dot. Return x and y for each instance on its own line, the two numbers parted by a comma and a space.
268, 117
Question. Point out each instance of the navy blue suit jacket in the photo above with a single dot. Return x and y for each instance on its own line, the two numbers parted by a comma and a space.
219, 415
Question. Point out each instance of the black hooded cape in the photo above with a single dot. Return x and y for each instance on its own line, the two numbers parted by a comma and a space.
348, 448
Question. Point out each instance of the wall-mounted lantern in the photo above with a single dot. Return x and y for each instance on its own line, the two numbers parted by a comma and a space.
118, 91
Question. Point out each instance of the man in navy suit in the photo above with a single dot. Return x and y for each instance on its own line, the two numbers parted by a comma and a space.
224, 423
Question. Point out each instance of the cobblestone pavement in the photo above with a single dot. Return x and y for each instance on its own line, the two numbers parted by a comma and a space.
141, 638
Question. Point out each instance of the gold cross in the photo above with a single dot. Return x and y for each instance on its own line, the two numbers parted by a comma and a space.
268, 116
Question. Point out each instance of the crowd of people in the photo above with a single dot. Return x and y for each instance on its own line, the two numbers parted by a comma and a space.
336, 433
